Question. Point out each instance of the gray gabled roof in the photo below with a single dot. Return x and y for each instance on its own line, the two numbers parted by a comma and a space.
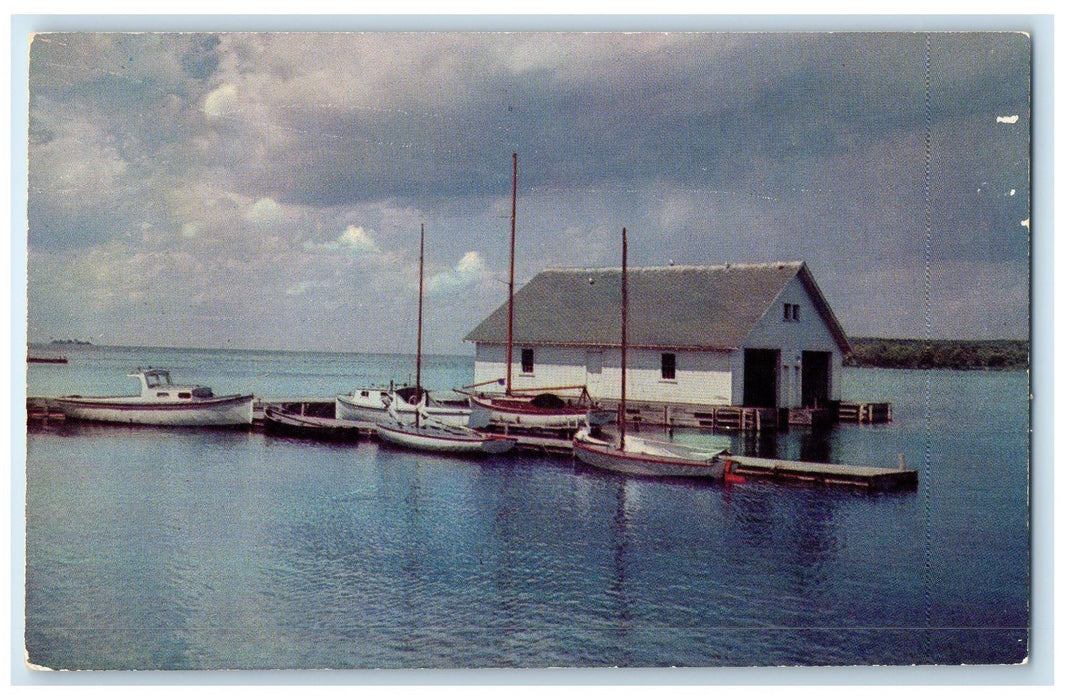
697, 307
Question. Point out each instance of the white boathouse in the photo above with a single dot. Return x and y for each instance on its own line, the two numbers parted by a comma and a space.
752, 335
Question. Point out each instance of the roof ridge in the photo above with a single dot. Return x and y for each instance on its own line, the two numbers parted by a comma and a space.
718, 266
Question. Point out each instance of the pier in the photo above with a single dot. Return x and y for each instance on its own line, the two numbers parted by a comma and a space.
822, 474
739, 466
748, 418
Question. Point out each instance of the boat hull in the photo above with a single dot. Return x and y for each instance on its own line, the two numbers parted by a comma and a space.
606, 457
219, 411
372, 410
517, 413
445, 441
283, 423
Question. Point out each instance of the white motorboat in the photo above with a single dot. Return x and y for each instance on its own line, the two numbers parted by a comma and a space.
636, 456
161, 402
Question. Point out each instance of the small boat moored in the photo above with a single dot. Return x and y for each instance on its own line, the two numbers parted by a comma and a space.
371, 404
278, 421
428, 435
637, 456
161, 402
641, 457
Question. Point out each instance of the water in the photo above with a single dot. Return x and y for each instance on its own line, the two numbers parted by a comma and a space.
182, 549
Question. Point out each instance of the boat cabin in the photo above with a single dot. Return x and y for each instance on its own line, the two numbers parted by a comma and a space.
758, 335
157, 385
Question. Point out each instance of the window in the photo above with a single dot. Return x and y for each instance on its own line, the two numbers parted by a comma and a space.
184, 395
527, 360
791, 312
669, 365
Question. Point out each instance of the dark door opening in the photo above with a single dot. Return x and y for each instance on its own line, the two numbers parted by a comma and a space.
816, 379
760, 378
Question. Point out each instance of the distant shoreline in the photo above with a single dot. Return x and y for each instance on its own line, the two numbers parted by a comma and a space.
912, 353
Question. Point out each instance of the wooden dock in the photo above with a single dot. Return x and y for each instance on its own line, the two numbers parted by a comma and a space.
822, 474
755, 468
727, 418
856, 412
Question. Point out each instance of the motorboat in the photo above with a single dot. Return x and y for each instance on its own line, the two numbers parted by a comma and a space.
161, 402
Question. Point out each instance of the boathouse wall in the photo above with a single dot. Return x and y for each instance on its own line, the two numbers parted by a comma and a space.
700, 377
791, 333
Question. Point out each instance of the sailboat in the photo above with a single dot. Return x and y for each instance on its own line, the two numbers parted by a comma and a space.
538, 409
638, 456
425, 432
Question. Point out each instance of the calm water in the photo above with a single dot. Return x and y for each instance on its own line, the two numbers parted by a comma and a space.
176, 549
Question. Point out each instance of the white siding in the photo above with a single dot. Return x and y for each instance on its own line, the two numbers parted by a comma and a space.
701, 377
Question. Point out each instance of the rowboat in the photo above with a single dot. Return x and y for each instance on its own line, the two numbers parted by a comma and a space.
636, 456
370, 404
161, 402
428, 433
277, 421
642, 457
532, 408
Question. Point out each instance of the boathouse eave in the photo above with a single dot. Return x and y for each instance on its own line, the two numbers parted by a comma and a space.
631, 346
822, 306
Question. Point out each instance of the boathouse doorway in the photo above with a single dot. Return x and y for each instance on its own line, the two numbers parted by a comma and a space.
760, 369
816, 379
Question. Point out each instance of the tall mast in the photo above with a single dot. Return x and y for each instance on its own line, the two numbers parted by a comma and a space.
510, 295
624, 326
418, 361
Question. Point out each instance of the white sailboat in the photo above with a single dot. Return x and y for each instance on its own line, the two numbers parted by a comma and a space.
427, 433
370, 404
538, 409
161, 402
638, 456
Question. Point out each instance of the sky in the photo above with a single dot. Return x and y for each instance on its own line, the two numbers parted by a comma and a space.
266, 190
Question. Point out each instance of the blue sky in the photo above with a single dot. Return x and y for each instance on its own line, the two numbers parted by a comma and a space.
265, 190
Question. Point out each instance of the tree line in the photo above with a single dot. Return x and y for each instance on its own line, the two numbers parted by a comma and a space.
907, 353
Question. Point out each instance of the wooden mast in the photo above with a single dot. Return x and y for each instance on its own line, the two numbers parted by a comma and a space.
624, 328
510, 295
418, 361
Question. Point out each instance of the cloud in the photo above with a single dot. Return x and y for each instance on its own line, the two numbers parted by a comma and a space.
469, 271
165, 161
354, 239
221, 101
304, 286
263, 211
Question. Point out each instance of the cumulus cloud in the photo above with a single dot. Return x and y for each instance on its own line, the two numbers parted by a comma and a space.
221, 101
263, 211
354, 239
469, 271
